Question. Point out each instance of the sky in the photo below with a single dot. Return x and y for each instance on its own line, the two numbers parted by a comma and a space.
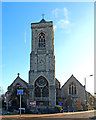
73, 39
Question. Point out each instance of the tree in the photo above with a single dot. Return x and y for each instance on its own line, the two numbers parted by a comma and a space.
2, 97
15, 99
91, 101
68, 102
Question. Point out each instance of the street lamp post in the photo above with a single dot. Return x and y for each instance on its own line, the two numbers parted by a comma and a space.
85, 87
20, 104
85, 80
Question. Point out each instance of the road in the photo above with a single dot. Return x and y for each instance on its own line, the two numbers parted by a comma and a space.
59, 116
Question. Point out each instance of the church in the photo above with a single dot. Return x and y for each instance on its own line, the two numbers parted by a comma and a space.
42, 87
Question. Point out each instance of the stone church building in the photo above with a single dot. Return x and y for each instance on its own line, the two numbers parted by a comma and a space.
42, 87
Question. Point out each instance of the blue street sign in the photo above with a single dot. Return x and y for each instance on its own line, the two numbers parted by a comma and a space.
19, 92
60, 103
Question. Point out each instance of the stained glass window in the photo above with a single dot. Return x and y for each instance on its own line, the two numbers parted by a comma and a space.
41, 87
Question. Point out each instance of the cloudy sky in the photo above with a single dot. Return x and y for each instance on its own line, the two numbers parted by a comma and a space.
73, 39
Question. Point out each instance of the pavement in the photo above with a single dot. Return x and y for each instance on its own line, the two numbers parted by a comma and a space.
85, 115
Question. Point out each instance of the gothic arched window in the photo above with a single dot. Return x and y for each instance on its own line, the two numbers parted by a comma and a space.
37, 92
41, 87
72, 89
41, 40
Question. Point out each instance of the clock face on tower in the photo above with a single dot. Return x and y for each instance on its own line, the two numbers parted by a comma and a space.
41, 62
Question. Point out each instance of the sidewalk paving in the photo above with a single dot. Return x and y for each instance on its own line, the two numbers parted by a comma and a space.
86, 115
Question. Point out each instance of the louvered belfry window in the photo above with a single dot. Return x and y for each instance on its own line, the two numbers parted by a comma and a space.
41, 40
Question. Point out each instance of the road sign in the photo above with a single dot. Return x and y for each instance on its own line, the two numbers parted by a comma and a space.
19, 92
6, 94
60, 103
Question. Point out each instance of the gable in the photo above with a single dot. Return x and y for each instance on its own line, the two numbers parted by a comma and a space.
72, 79
19, 81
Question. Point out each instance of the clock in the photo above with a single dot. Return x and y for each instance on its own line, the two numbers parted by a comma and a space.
41, 62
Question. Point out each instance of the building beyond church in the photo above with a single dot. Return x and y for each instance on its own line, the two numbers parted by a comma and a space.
43, 87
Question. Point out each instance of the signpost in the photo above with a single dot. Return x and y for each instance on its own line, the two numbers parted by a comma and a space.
6, 95
20, 92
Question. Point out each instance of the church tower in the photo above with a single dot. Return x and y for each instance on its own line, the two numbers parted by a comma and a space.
42, 64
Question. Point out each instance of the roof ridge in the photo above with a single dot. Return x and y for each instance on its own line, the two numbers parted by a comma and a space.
75, 79
20, 79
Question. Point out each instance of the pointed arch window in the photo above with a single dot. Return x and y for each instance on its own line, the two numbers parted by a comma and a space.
41, 40
41, 87
72, 89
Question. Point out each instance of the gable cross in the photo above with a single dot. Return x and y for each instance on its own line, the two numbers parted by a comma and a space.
43, 16
18, 74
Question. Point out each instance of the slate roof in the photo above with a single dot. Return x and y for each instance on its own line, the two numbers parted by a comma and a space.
20, 79
57, 80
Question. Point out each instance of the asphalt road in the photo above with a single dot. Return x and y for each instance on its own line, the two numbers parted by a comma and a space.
87, 115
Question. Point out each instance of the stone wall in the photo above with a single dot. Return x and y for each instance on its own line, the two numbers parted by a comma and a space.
42, 59
80, 90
